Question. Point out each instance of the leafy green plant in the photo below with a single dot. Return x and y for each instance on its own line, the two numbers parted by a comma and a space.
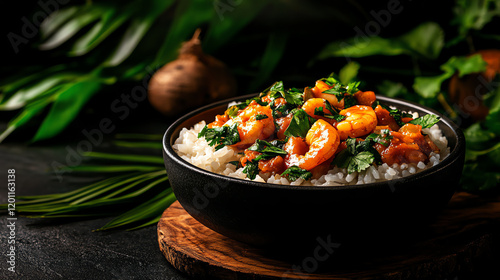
135, 191
426, 45
105, 44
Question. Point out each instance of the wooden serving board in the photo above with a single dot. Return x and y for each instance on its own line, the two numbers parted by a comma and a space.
465, 234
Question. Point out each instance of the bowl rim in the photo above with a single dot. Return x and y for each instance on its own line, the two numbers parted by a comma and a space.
453, 156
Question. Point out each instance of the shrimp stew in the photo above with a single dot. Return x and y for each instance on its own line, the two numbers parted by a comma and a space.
329, 134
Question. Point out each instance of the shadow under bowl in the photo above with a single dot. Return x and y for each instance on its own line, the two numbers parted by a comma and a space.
265, 214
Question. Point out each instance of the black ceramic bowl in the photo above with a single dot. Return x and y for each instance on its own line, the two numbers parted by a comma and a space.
264, 214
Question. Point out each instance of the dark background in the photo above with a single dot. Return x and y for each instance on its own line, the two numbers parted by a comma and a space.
68, 249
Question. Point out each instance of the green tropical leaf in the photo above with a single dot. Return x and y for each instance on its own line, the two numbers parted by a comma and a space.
109, 22
149, 211
84, 17
426, 41
138, 27
123, 157
27, 114
56, 19
20, 98
429, 87
66, 107
474, 15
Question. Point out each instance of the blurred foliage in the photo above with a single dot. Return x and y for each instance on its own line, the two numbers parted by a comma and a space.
442, 57
106, 43
135, 190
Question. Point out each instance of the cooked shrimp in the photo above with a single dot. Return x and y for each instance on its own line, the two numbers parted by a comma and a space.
408, 146
311, 105
282, 125
250, 128
413, 133
399, 152
220, 120
320, 144
318, 90
275, 164
365, 97
277, 102
385, 118
360, 121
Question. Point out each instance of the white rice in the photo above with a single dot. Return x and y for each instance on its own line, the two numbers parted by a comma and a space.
197, 151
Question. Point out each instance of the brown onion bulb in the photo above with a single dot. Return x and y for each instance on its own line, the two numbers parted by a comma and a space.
192, 80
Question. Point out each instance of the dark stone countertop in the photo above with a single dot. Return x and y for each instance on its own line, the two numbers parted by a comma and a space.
68, 248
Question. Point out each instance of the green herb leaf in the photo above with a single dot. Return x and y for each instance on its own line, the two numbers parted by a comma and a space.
383, 138
350, 101
235, 163
294, 96
300, 124
69, 101
262, 146
357, 156
360, 162
222, 136
251, 169
345, 92
232, 111
330, 80
279, 143
351, 145
294, 172
261, 117
277, 87
426, 121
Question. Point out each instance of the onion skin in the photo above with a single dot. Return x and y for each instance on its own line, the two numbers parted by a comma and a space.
466, 92
192, 80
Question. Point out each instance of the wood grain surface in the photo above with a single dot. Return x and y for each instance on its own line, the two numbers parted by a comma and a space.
466, 233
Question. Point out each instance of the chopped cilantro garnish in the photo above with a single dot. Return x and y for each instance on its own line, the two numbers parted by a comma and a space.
426, 121
335, 114
349, 101
330, 80
344, 92
294, 96
282, 110
267, 151
300, 124
294, 172
261, 117
262, 146
357, 156
251, 169
277, 86
222, 136
232, 111
395, 113
383, 138
360, 162
235, 163
279, 143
